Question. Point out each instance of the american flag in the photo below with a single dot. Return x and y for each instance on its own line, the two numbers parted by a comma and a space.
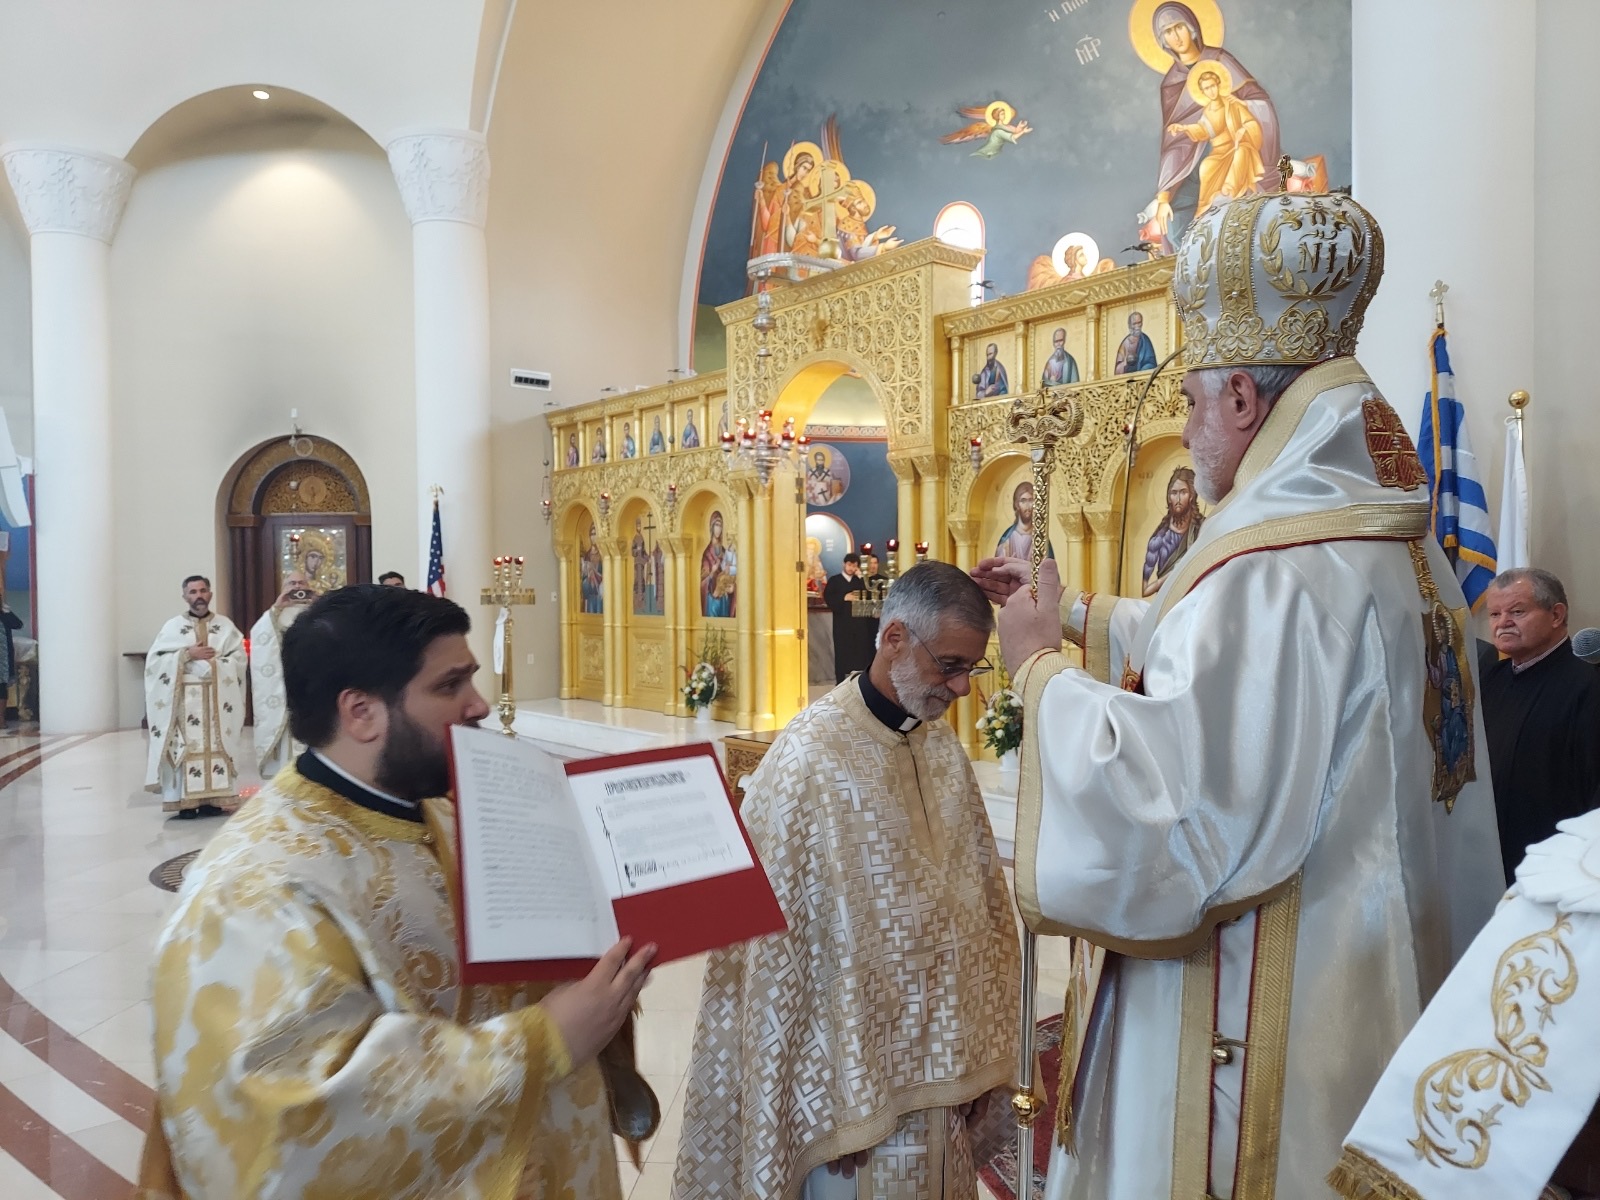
436, 556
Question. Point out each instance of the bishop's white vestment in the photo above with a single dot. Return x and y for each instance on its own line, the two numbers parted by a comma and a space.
275, 747
195, 710
1260, 821
891, 1001
1489, 1089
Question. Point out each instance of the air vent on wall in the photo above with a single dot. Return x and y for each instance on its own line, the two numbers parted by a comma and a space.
539, 381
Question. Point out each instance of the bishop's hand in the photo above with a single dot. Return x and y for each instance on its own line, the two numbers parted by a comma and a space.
1027, 625
1001, 577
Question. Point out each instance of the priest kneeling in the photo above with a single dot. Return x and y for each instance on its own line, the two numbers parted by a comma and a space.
869, 1036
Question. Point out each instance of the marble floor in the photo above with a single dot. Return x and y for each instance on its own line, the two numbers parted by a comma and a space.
78, 917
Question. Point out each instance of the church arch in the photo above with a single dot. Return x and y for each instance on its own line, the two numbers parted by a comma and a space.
292, 502
583, 568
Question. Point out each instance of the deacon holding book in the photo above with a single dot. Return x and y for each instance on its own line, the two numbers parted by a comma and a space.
312, 1035
868, 1038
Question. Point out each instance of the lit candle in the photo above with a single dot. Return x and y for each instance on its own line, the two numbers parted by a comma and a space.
977, 441
922, 547
892, 545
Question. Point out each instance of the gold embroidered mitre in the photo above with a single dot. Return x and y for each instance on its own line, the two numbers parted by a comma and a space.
1281, 279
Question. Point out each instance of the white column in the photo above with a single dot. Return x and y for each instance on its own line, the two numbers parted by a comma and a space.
1443, 153
71, 201
444, 182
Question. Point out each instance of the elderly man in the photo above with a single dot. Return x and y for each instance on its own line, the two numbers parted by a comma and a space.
863, 1038
194, 680
312, 1033
1260, 821
1541, 709
275, 745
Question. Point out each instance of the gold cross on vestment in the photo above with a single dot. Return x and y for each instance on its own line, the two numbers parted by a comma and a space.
1041, 421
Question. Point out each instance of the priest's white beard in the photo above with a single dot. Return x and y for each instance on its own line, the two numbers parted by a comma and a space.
1208, 448
925, 702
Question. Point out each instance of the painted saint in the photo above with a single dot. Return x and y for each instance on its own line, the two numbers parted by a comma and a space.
1135, 352
718, 573
1177, 34
598, 454
1017, 540
572, 450
1060, 367
591, 575
658, 440
1176, 531
630, 448
991, 381
641, 570
691, 436
1233, 167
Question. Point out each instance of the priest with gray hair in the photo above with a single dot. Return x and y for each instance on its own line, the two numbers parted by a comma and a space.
865, 1041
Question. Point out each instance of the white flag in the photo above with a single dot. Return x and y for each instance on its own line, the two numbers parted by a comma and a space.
1514, 536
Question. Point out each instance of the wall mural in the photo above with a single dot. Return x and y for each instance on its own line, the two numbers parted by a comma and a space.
1085, 134
719, 573
1174, 533
649, 570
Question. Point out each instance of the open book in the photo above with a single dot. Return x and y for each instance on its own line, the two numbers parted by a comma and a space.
560, 860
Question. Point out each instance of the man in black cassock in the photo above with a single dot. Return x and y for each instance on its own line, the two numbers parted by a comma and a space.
1541, 710
852, 635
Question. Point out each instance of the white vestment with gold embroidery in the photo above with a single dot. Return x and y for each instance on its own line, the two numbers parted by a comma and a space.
313, 1037
1252, 834
195, 710
1488, 1091
275, 747
890, 1001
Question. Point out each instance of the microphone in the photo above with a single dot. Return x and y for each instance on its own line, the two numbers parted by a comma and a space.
1586, 645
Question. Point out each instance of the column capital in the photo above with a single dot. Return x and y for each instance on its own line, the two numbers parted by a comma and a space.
61, 189
443, 174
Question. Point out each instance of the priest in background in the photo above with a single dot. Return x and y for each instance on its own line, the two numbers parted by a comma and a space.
1541, 709
868, 1038
312, 1033
194, 680
1264, 813
275, 745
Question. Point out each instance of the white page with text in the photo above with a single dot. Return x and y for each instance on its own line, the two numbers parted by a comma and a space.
533, 888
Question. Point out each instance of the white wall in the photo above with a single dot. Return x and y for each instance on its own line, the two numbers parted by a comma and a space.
16, 351
269, 274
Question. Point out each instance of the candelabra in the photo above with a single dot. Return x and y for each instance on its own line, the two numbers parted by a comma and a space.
869, 602
505, 591
758, 447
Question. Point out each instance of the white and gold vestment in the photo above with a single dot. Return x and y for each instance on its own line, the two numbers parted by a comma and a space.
313, 1038
1488, 1091
1261, 821
195, 710
275, 747
893, 997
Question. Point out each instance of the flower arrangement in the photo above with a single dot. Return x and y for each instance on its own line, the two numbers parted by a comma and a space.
701, 689
712, 676
1000, 726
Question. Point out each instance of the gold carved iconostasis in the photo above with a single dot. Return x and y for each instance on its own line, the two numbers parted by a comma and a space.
661, 547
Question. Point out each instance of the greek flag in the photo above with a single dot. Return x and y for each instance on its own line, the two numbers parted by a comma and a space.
1460, 508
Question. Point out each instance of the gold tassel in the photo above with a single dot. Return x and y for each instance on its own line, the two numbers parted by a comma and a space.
1358, 1177
1069, 1060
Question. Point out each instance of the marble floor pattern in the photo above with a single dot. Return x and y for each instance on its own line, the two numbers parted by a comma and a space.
78, 919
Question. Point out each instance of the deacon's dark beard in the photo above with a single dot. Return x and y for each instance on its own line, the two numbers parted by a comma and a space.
412, 764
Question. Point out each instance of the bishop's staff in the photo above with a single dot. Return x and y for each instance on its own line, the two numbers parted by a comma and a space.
1040, 421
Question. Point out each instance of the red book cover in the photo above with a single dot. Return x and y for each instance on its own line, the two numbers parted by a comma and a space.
720, 907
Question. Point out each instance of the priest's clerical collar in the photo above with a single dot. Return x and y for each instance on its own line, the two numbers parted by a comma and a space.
320, 770
886, 710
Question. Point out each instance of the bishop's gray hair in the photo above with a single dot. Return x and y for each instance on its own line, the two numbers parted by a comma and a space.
931, 593
1547, 589
1271, 381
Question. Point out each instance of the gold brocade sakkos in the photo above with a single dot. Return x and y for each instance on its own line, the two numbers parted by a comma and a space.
313, 1038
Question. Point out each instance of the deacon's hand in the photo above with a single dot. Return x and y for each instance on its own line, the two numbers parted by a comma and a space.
1001, 577
589, 1013
1026, 626
202, 653
849, 1164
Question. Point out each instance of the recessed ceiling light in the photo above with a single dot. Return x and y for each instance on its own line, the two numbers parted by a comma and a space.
260, 94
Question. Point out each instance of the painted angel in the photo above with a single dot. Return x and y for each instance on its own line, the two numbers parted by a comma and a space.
993, 123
